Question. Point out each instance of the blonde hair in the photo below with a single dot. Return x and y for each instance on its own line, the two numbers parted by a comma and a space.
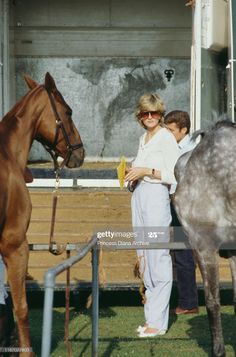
150, 102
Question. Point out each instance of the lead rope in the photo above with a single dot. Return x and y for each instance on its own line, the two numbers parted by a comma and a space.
57, 249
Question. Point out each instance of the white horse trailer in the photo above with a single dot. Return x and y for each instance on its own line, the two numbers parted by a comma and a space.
212, 62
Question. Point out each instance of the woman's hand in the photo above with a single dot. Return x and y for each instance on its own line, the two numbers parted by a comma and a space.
135, 173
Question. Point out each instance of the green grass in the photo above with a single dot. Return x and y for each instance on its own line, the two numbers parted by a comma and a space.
187, 336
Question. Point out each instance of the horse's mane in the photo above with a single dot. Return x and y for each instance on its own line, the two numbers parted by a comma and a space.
224, 123
24, 100
13, 110
19, 105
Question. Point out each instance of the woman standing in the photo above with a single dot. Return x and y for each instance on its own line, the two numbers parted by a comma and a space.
150, 205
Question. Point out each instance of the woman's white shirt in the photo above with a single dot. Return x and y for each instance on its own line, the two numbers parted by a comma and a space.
161, 153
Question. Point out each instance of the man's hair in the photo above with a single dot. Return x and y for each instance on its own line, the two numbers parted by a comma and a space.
180, 118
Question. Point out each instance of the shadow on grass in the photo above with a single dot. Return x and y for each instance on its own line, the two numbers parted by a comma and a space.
103, 314
113, 343
111, 339
172, 320
36, 322
199, 331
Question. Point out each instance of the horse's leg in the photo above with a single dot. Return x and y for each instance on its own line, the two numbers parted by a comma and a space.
208, 264
232, 261
16, 263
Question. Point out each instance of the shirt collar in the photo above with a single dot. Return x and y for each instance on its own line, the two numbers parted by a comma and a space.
184, 141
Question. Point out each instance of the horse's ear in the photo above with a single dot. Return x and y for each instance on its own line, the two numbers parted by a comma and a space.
49, 83
30, 82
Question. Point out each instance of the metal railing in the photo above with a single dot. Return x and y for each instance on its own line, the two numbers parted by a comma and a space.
49, 283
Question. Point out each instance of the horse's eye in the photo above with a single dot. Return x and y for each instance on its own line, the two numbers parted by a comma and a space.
69, 112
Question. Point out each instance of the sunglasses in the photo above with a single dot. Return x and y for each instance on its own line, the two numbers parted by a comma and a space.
146, 115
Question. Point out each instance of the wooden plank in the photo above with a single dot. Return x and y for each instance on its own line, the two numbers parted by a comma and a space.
82, 197
77, 224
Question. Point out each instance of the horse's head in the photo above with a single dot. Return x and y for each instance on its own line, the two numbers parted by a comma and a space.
56, 130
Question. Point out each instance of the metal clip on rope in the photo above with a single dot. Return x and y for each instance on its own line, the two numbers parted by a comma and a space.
57, 180
55, 248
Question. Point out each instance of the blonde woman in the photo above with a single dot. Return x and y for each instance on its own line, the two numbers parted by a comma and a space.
150, 205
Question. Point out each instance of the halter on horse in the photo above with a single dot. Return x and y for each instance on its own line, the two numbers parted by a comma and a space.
42, 114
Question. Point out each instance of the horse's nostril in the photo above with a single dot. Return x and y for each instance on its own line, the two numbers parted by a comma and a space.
76, 159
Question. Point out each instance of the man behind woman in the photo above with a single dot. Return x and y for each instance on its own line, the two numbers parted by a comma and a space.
178, 123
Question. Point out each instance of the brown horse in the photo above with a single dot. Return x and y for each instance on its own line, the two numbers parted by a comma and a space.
42, 114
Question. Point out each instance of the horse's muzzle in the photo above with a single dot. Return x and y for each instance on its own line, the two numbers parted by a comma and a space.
76, 158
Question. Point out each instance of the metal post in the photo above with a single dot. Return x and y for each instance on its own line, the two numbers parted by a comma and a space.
49, 283
95, 299
47, 314
4, 57
232, 59
198, 61
67, 313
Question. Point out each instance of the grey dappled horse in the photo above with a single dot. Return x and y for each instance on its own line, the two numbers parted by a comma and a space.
205, 202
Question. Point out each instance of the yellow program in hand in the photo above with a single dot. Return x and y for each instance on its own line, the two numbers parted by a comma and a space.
121, 172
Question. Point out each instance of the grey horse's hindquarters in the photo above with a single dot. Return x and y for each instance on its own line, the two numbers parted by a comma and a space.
205, 201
